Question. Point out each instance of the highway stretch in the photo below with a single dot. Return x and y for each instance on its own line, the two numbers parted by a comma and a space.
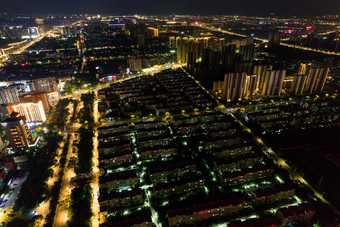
265, 40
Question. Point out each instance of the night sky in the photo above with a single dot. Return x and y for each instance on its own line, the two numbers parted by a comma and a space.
195, 7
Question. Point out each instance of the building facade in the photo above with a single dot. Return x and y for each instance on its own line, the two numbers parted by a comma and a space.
273, 82
9, 95
36, 97
33, 111
135, 64
47, 84
18, 134
5, 111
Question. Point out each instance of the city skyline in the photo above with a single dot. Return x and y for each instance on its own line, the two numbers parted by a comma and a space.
200, 7
167, 120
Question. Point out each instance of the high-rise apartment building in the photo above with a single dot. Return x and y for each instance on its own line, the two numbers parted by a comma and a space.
9, 95
190, 59
172, 42
5, 111
35, 97
316, 79
47, 84
299, 83
227, 51
33, 111
178, 41
243, 42
195, 47
141, 39
239, 85
273, 82
261, 70
152, 32
305, 68
233, 87
135, 64
215, 43
251, 85
18, 134
274, 39
247, 52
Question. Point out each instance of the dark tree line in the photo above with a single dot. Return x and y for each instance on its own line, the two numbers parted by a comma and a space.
35, 187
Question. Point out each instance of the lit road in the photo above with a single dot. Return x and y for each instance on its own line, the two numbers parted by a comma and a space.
95, 112
4, 58
23, 48
95, 182
61, 215
159, 68
44, 208
70, 107
145, 72
326, 33
65, 191
265, 40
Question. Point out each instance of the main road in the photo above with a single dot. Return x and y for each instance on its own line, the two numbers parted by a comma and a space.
95, 182
23, 48
266, 40
4, 58
61, 215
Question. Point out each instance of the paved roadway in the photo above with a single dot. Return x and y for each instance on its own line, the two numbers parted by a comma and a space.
65, 191
23, 48
95, 182
61, 216
265, 40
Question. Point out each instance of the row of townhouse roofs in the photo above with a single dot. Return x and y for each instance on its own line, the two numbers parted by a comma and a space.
120, 152
141, 219
145, 125
227, 207
161, 190
285, 216
280, 118
185, 94
238, 162
129, 179
176, 178
156, 174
